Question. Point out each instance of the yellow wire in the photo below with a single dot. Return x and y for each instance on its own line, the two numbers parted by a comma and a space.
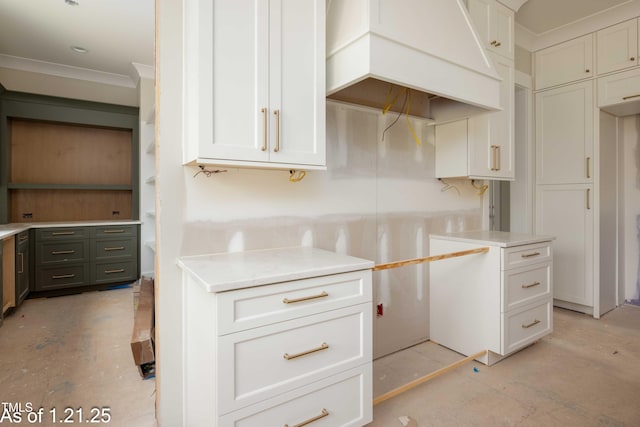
388, 103
415, 137
296, 176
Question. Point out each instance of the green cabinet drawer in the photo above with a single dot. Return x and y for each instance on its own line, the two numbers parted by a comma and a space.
115, 231
105, 249
61, 233
108, 272
62, 252
58, 277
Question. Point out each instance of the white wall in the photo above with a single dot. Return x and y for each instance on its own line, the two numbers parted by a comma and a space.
147, 95
378, 200
630, 227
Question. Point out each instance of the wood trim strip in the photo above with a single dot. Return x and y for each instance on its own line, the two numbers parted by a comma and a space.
429, 259
428, 377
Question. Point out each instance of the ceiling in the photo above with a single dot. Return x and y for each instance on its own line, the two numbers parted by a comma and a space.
117, 33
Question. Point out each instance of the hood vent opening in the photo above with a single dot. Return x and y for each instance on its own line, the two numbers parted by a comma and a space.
427, 46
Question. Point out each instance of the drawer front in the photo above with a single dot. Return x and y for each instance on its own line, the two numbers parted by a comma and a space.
116, 231
256, 364
117, 271
526, 285
520, 256
49, 278
524, 326
53, 252
343, 400
263, 305
115, 248
619, 88
61, 233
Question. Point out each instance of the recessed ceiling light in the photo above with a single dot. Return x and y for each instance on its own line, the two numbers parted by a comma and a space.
79, 49
72, 2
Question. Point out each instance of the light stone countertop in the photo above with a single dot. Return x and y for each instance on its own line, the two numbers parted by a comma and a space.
502, 239
230, 271
8, 230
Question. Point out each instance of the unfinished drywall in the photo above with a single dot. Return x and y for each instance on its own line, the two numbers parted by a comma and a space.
630, 227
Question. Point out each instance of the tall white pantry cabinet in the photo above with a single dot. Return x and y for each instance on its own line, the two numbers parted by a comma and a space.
254, 83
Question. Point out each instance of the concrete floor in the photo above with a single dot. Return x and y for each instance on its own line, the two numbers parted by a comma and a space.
74, 351
587, 373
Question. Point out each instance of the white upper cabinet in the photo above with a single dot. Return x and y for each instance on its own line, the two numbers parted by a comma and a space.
564, 134
255, 83
481, 147
494, 23
564, 63
617, 46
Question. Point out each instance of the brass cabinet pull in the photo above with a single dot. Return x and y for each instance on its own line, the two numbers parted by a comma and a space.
587, 71
63, 276
588, 167
69, 252
310, 420
499, 162
109, 231
291, 301
588, 198
493, 158
323, 346
633, 58
493, 43
534, 323
277, 147
264, 129
531, 255
531, 285
115, 248
63, 233
498, 44
118, 270
624, 98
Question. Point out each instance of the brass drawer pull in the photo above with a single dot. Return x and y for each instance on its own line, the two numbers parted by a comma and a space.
323, 346
63, 233
117, 270
277, 147
264, 129
115, 248
120, 230
291, 301
531, 255
534, 323
624, 98
310, 420
69, 252
530, 285
63, 276
588, 167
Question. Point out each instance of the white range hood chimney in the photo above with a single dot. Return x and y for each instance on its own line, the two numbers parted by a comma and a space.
377, 47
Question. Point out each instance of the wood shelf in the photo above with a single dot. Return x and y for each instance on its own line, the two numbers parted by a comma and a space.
151, 244
150, 180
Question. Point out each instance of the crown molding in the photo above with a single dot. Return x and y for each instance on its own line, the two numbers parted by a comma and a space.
142, 71
59, 70
513, 4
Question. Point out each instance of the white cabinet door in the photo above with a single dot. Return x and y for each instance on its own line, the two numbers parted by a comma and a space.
564, 63
566, 212
255, 83
619, 93
564, 134
617, 46
494, 23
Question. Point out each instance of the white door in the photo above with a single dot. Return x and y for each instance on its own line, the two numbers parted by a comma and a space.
617, 46
564, 135
503, 29
566, 212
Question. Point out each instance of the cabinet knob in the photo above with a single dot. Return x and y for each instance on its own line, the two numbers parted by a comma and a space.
493, 43
632, 58
587, 71
498, 44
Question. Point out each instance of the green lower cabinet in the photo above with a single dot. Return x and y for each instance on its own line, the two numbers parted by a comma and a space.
23, 257
84, 256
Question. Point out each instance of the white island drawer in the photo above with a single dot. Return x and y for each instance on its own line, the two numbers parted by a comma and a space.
523, 326
256, 364
526, 285
264, 305
519, 256
342, 400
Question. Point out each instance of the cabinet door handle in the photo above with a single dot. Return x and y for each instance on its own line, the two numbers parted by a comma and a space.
277, 147
69, 252
493, 158
534, 323
633, 58
117, 231
323, 346
588, 167
115, 248
264, 129
531, 285
63, 233
588, 198
23, 238
310, 420
494, 42
499, 163
117, 270
587, 70
63, 276
291, 301
624, 98
498, 44
21, 263
531, 255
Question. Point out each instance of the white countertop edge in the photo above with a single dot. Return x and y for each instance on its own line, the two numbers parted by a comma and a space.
8, 230
503, 239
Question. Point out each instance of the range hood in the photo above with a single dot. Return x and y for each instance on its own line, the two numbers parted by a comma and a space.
377, 49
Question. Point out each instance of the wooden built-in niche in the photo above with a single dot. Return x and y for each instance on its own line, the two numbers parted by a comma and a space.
69, 172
